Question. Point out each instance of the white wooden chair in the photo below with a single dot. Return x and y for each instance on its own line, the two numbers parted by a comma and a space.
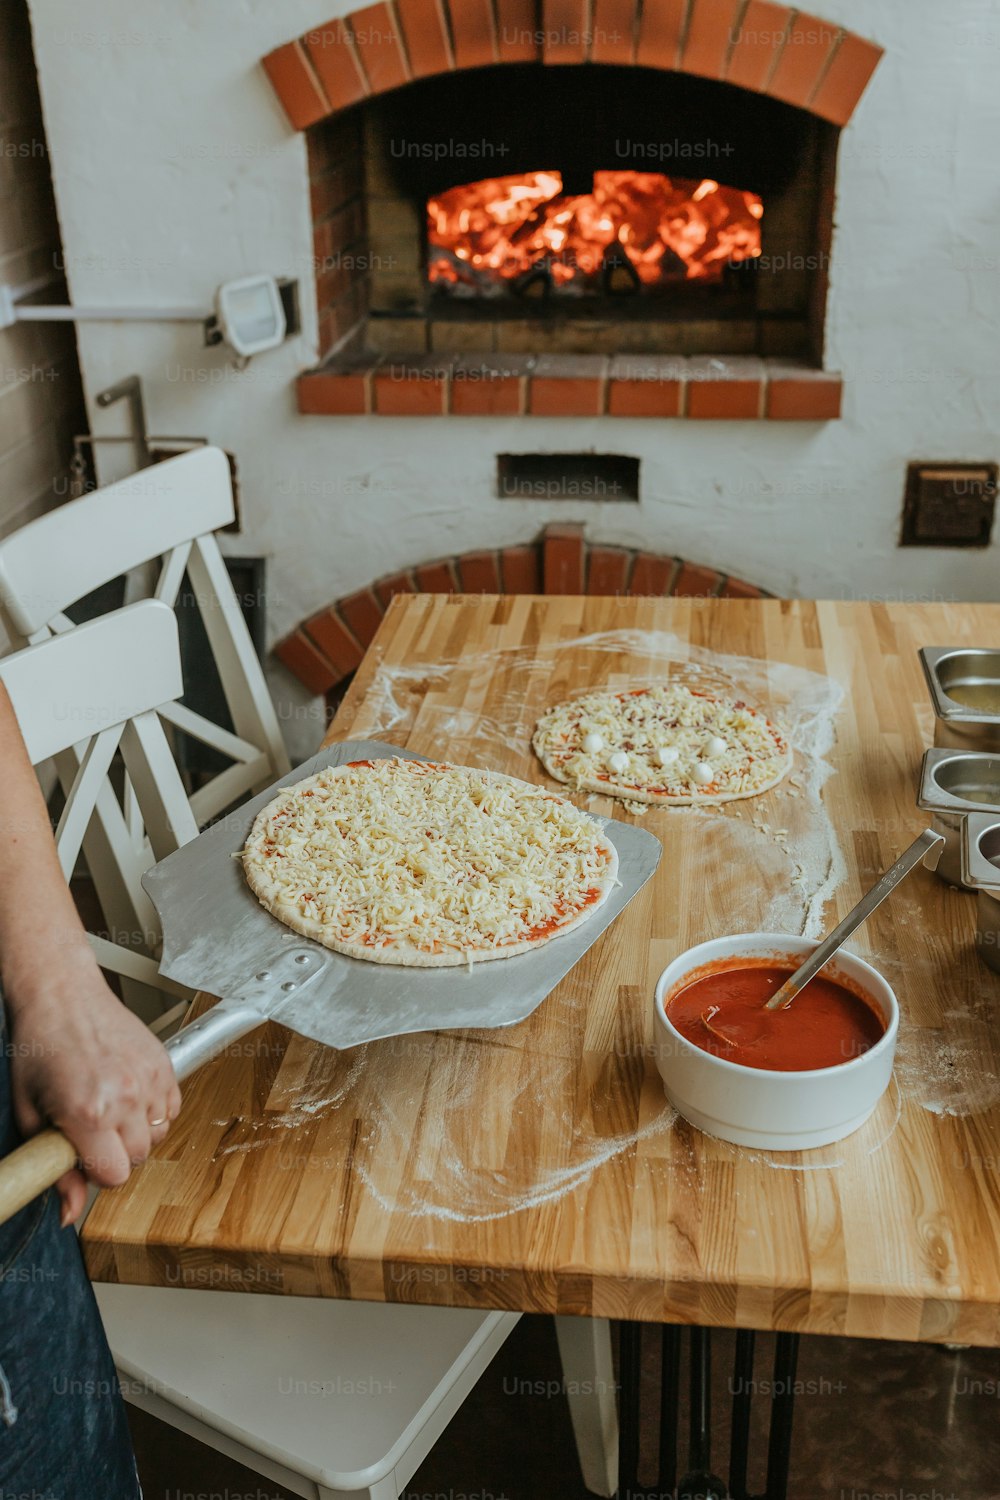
164, 516
334, 1400
92, 693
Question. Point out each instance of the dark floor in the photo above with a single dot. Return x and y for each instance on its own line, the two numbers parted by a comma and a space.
874, 1421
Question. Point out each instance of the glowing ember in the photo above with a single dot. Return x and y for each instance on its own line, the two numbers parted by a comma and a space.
652, 228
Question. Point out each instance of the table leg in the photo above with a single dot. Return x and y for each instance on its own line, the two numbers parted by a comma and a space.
779, 1447
670, 1393
739, 1437
699, 1483
629, 1389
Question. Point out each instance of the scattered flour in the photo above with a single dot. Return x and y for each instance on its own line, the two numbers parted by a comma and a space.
472, 1198
949, 1073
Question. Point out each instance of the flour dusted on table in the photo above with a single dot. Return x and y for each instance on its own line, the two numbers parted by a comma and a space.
415, 863
669, 744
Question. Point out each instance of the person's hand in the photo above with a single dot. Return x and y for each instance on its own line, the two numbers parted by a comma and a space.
82, 1062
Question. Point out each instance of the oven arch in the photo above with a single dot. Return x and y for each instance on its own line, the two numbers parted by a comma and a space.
788, 54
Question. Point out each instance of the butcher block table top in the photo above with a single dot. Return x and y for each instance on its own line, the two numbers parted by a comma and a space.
540, 1168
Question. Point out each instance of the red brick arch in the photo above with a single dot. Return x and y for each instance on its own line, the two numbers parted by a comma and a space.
768, 48
328, 646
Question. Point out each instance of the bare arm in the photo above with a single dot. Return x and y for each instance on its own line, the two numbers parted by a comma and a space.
79, 1059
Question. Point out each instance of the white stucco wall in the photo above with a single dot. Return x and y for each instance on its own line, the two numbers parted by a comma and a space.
175, 169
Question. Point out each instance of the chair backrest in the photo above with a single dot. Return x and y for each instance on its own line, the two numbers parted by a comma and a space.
90, 693
167, 512
72, 550
73, 687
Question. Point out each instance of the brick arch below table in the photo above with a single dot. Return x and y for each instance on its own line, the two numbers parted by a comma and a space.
325, 649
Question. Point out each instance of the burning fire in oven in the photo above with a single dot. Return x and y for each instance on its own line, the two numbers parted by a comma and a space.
636, 230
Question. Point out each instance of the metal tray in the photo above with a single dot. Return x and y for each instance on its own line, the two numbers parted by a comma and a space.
981, 851
944, 769
946, 666
218, 935
981, 871
942, 773
959, 725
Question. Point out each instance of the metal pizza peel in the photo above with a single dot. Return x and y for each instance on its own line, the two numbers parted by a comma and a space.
219, 938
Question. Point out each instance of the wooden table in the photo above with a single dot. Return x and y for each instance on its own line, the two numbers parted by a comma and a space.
539, 1168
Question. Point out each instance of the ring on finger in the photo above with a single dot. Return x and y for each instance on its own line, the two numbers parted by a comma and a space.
154, 1123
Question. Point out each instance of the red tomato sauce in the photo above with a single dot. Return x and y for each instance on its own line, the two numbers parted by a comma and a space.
563, 910
722, 1012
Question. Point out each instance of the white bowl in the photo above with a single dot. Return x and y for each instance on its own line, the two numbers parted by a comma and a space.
759, 1106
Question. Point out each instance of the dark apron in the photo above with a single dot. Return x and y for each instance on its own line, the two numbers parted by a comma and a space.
63, 1433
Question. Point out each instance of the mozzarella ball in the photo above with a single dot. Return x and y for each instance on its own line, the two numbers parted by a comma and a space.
715, 746
667, 755
592, 742
702, 773
618, 761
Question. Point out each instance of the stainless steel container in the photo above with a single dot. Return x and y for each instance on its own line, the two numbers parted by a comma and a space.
981, 869
954, 784
965, 688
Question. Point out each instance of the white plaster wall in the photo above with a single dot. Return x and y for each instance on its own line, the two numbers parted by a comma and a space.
175, 169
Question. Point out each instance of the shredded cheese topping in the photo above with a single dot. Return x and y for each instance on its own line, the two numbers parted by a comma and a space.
634, 727
394, 857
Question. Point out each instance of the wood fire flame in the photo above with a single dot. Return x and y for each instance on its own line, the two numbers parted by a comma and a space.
483, 236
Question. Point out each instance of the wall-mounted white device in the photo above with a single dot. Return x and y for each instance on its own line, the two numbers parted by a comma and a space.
252, 313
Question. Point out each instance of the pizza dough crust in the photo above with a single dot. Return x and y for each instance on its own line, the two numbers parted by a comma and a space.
644, 721
286, 857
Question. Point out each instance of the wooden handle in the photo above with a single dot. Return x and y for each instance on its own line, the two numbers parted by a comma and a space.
41, 1161
31, 1169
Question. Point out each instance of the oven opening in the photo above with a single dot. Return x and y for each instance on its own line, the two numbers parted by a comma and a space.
535, 210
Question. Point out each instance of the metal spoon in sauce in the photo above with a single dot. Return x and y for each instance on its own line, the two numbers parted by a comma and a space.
926, 848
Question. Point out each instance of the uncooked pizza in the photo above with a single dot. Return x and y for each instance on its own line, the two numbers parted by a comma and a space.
670, 744
410, 862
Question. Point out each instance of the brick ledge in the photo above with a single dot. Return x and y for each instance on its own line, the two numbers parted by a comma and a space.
327, 647
713, 388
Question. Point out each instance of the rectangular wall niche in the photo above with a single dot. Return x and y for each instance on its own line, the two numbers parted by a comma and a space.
600, 477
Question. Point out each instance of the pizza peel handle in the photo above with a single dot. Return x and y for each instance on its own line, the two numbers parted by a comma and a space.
31, 1169
210, 1035
40, 1162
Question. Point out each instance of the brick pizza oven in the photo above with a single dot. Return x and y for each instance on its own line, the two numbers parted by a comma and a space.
560, 213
